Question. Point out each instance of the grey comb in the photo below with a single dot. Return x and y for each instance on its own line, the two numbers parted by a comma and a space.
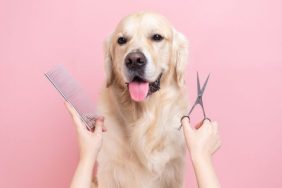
72, 93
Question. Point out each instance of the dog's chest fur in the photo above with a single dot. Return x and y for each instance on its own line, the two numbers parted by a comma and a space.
142, 147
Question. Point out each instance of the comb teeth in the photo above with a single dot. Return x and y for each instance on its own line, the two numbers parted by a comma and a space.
72, 92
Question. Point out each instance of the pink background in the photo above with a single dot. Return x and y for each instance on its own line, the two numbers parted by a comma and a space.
239, 42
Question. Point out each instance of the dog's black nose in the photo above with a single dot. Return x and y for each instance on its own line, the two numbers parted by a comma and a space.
135, 60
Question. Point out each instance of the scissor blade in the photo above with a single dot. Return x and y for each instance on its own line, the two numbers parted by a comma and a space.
198, 84
202, 106
204, 87
196, 102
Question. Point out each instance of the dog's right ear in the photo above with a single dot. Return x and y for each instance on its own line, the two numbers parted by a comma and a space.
180, 54
108, 61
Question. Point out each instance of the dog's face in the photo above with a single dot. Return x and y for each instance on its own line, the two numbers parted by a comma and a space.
143, 50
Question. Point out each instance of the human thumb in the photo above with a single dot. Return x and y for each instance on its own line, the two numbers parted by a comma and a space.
186, 125
99, 125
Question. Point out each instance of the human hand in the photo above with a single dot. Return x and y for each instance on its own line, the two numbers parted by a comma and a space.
89, 142
203, 140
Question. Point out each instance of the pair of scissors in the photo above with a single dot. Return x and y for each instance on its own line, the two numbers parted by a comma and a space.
199, 100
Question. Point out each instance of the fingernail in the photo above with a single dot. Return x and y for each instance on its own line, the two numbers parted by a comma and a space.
102, 118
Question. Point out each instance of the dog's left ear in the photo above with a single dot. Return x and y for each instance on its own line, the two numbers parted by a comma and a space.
108, 61
180, 55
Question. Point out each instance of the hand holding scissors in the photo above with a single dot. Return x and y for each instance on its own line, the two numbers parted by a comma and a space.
199, 100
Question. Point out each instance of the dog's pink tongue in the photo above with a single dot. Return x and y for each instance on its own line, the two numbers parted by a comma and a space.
138, 90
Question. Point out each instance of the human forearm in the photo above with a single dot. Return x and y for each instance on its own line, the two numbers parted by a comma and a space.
90, 143
83, 174
202, 142
204, 171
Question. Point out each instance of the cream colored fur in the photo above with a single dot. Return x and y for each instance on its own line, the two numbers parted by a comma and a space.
142, 147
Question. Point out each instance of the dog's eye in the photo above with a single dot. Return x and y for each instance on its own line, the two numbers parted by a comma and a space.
157, 37
121, 40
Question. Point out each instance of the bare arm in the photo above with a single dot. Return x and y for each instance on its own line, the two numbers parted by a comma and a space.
202, 143
89, 144
83, 175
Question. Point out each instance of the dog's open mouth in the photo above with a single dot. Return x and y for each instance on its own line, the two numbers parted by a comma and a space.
140, 88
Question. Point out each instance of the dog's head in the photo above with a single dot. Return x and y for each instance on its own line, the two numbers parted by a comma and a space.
143, 51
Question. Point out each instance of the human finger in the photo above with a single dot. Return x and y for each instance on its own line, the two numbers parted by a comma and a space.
99, 126
186, 124
199, 125
215, 127
75, 116
69, 108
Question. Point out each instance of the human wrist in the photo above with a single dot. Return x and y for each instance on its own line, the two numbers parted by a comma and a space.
88, 159
87, 165
200, 157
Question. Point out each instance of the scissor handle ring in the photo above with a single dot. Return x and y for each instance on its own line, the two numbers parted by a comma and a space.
206, 118
181, 121
184, 117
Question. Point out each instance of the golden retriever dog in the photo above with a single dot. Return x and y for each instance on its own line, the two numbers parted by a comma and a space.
143, 102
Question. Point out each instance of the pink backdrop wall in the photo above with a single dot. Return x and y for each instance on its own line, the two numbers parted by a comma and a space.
239, 42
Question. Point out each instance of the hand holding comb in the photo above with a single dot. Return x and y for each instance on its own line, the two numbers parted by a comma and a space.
71, 91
